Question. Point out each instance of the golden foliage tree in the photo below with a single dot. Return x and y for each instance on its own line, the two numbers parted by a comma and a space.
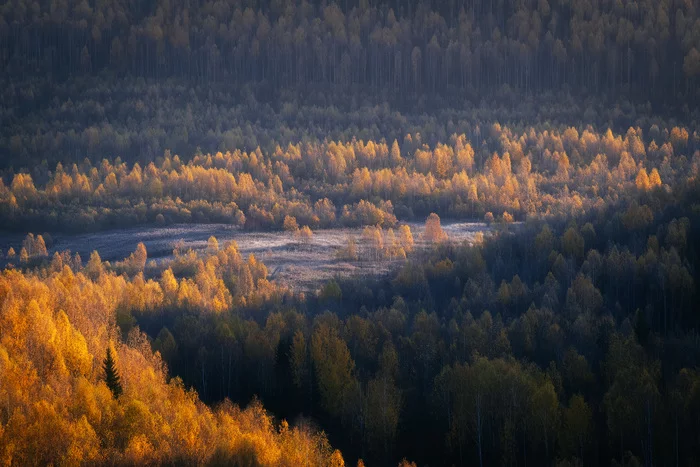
433, 230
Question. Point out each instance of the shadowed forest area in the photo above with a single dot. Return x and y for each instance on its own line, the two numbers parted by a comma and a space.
117, 78
642, 47
565, 333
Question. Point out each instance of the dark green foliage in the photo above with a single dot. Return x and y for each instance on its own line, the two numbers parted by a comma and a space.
491, 356
111, 374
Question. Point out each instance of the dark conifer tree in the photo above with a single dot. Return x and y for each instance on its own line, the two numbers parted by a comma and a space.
112, 375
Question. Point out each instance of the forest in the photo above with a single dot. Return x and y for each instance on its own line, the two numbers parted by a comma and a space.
572, 341
564, 332
529, 45
495, 173
99, 78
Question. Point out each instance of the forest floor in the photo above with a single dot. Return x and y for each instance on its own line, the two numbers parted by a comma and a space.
300, 265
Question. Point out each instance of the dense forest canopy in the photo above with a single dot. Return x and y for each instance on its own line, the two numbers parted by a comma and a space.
493, 172
569, 341
565, 334
642, 46
57, 407
105, 79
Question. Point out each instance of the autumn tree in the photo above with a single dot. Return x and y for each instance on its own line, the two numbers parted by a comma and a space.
212, 246
374, 241
349, 251
136, 262
642, 180
333, 367
34, 246
433, 231
406, 238
304, 234
290, 224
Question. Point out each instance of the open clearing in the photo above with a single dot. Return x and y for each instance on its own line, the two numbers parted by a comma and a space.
289, 261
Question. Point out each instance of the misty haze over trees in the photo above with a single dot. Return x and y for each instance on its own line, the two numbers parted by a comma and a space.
645, 48
564, 334
236, 75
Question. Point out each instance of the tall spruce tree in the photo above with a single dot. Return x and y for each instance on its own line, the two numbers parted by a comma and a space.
112, 375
